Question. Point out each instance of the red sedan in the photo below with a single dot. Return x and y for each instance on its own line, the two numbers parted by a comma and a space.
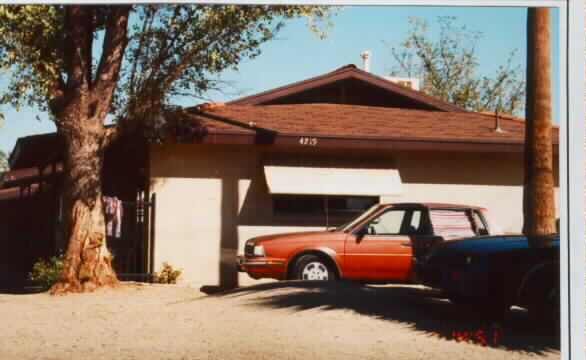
380, 245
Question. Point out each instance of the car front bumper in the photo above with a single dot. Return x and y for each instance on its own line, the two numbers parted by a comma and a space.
262, 267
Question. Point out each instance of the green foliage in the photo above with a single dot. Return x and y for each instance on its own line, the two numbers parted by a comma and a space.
47, 271
31, 51
4, 166
172, 50
167, 275
178, 50
448, 68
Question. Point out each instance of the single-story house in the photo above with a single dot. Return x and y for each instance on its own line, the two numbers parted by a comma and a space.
304, 156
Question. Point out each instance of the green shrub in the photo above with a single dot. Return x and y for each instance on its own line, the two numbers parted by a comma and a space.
167, 275
47, 271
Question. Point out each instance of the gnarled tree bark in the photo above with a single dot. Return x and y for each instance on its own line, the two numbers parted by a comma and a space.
88, 262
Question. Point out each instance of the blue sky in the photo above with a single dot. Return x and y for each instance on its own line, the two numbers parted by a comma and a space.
298, 54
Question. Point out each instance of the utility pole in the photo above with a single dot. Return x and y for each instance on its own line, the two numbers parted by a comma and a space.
538, 200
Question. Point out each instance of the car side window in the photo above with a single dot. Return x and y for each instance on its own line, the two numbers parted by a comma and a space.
415, 225
451, 223
395, 222
387, 223
482, 230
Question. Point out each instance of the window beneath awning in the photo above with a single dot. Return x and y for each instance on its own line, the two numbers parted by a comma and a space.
332, 181
332, 205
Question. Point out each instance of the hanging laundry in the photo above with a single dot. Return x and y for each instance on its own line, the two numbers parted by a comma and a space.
113, 213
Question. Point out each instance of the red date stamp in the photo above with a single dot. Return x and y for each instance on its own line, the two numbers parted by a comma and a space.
480, 336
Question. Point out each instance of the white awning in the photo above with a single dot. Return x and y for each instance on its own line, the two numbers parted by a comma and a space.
332, 181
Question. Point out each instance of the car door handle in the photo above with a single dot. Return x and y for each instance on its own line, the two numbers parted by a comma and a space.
406, 244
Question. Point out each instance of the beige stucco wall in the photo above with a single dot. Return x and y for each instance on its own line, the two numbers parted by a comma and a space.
493, 181
211, 199
209, 202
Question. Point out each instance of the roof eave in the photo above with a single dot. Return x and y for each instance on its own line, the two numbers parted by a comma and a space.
368, 143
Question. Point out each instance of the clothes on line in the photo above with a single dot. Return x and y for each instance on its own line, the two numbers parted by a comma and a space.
113, 213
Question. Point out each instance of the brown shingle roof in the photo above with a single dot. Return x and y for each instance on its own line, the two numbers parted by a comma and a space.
334, 120
27, 175
36, 150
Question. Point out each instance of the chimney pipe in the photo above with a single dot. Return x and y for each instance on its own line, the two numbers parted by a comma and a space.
365, 60
497, 125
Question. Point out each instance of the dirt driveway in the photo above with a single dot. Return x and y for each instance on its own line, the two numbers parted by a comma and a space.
288, 320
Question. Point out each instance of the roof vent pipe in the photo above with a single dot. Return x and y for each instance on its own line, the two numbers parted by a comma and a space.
365, 60
497, 125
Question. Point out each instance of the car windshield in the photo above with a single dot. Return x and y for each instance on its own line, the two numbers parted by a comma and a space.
347, 226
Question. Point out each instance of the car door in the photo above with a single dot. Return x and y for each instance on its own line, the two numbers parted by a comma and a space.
381, 248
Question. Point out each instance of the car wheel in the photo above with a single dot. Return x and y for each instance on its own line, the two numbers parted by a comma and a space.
547, 311
312, 267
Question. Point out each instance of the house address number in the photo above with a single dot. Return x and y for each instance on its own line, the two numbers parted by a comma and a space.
308, 140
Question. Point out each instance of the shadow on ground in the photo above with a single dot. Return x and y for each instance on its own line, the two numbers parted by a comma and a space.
23, 290
422, 309
18, 287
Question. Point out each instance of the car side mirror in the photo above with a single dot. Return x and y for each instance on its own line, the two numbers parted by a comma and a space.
361, 233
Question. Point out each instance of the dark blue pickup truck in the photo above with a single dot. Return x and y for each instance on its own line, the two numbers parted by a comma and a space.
492, 273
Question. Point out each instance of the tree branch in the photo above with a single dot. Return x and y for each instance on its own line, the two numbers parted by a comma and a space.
177, 69
115, 41
78, 24
143, 34
111, 134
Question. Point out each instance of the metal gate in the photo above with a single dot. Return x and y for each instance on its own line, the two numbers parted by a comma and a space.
133, 250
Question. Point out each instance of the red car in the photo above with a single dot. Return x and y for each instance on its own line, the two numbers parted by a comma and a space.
380, 245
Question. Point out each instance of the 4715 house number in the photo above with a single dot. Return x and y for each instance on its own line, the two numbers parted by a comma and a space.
308, 140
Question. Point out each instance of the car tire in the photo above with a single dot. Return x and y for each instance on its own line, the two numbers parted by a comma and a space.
312, 267
546, 312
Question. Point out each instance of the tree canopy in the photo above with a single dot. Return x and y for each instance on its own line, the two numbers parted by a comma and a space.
168, 51
448, 68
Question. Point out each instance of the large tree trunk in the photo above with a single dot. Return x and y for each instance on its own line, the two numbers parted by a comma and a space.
80, 107
88, 262
539, 201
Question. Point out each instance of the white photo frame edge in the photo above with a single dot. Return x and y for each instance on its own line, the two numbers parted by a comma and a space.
572, 158
572, 176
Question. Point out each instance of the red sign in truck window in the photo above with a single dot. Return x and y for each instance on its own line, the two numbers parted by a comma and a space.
451, 223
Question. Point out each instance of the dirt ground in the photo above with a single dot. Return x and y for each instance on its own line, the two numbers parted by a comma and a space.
287, 320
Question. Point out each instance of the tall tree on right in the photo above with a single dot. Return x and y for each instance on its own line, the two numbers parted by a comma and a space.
444, 58
4, 161
538, 201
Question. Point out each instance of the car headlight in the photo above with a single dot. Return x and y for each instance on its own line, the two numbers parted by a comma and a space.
259, 250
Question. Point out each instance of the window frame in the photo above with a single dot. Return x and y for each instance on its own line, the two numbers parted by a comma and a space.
324, 209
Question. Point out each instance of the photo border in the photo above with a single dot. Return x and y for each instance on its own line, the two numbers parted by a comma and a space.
572, 174
572, 140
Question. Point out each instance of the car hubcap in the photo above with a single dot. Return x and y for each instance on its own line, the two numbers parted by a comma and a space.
315, 271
